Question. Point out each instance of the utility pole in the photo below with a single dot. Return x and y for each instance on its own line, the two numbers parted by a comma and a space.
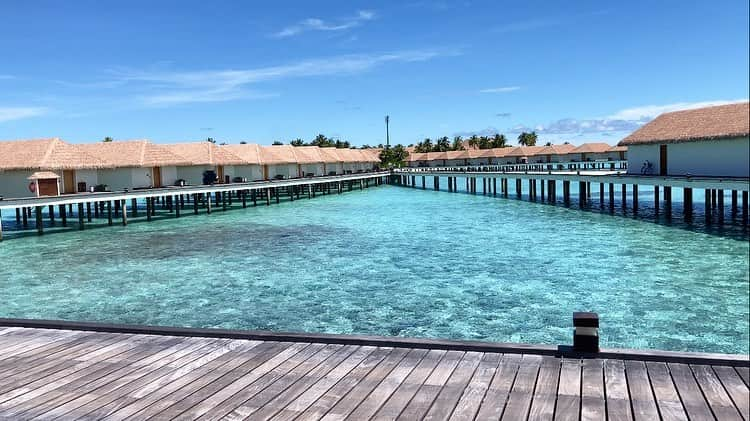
387, 133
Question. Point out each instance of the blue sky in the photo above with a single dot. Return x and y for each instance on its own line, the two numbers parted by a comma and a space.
263, 71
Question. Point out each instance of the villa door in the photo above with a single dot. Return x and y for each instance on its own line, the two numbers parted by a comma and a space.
157, 176
662, 159
69, 181
220, 173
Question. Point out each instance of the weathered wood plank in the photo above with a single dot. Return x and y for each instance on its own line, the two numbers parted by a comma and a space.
736, 389
451, 392
294, 408
593, 406
569, 390
667, 398
425, 396
259, 399
358, 393
545, 393
321, 406
616, 387
690, 394
744, 373
641, 396
718, 399
495, 399
471, 399
519, 401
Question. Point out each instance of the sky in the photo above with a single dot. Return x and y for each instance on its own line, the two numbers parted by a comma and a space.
234, 71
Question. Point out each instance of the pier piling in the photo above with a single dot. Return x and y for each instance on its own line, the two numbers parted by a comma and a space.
124, 206
39, 222
63, 215
80, 216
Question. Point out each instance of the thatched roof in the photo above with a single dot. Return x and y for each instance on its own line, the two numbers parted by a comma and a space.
277, 154
618, 149
308, 155
555, 149
330, 155
41, 154
595, 147
524, 151
709, 123
436, 155
417, 156
248, 152
204, 153
42, 175
133, 153
457, 155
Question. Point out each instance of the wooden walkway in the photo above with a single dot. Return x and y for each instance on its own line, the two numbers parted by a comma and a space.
65, 374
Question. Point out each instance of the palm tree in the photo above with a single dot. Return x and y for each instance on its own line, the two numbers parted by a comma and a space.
527, 139
427, 145
107, 139
277, 142
443, 144
474, 141
210, 140
458, 144
499, 141
297, 142
484, 142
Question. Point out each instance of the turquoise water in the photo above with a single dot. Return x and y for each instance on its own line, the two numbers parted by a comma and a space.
397, 261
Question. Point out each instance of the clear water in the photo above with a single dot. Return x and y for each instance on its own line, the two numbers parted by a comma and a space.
398, 261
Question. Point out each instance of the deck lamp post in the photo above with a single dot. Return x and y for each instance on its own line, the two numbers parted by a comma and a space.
586, 334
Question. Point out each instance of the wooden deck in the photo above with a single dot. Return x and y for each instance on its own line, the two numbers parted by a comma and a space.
66, 374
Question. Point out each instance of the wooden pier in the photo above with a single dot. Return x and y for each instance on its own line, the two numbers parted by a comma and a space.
543, 187
116, 205
64, 370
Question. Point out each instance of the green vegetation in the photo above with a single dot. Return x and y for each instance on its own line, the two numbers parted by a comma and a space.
394, 157
527, 139
107, 139
442, 144
321, 141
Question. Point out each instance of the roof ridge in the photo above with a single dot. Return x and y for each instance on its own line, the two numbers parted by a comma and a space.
48, 153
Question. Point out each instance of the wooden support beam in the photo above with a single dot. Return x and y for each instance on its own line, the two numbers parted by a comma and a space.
176, 208
63, 215
88, 211
656, 199
39, 221
51, 214
208, 203
720, 205
566, 192
733, 210
707, 205
25, 218
531, 189
244, 198
134, 207
668, 201
149, 208
744, 207
268, 196
195, 203
687, 196
124, 205
275, 190
423, 182
582, 193
224, 199
518, 187
80, 216
624, 196
635, 198
182, 202
494, 186
109, 213
96, 210
601, 195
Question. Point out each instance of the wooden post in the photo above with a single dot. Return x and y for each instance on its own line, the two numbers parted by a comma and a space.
109, 213
588, 189
244, 198
276, 191
656, 199
531, 189
80, 216
39, 221
268, 196
494, 186
96, 210
707, 205
624, 196
744, 207
254, 196
635, 198
149, 208
733, 210
224, 199
687, 196
18, 214
581, 193
195, 203
668, 201
134, 207
566, 192
51, 213
518, 187
208, 203
176, 208
182, 202
88, 211
541, 185
124, 205
484, 186
63, 215
720, 205
713, 198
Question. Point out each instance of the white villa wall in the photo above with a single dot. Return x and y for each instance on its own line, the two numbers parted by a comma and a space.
728, 157
479, 161
251, 172
168, 176
338, 167
116, 179
193, 175
141, 177
287, 170
85, 176
14, 184
455, 162
316, 169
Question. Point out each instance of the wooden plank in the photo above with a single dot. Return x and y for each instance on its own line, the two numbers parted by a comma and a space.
425, 396
81, 404
593, 405
372, 403
616, 387
471, 399
451, 392
256, 399
690, 394
321, 406
519, 401
89, 382
667, 398
228, 385
569, 390
744, 373
49, 355
718, 399
545, 393
114, 400
33, 347
736, 388
296, 407
175, 391
160, 387
495, 399
641, 396
358, 393
406, 390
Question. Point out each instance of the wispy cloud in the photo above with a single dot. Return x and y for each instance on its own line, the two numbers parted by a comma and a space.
18, 113
623, 121
315, 24
500, 90
502, 115
226, 85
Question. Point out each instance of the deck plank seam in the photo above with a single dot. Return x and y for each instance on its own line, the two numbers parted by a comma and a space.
473, 372
510, 388
653, 392
489, 382
703, 393
432, 370
432, 403
726, 390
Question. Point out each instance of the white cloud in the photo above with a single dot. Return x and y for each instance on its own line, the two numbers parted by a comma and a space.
315, 24
227, 85
18, 113
500, 90
651, 111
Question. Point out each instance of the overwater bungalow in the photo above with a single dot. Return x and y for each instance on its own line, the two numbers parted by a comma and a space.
553, 153
251, 169
594, 151
333, 163
309, 160
457, 158
521, 154
204, 158
133, 164
278, 161
710, 141
19, 159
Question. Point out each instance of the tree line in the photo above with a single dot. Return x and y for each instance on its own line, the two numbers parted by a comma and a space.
443, 144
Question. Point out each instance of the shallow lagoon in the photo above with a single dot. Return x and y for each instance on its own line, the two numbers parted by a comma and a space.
397, 261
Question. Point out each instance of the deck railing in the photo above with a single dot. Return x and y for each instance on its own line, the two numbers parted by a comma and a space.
546, 167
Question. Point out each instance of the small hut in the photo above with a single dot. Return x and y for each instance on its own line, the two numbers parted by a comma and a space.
44, 183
